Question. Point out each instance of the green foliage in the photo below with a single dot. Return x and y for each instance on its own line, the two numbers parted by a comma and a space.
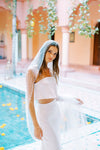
7, 1
30, 22
9, 5
82, 24
51, 19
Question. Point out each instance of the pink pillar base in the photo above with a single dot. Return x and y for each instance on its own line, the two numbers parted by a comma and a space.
65, 46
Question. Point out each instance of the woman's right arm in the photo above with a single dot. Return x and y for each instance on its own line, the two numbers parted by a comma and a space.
30, 79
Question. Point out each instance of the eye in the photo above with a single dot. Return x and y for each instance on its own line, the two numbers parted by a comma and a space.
55, 54
49, 51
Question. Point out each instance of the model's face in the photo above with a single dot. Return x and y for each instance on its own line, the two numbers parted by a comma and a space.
51, 54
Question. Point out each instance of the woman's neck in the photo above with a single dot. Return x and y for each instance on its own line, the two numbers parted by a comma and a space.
45, 73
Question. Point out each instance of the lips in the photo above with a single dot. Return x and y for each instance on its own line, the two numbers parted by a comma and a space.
50, 59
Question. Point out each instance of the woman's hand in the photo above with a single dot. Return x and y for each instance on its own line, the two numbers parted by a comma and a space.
38, 133
80, 101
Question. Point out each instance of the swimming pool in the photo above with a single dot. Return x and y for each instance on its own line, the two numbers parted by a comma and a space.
13, 127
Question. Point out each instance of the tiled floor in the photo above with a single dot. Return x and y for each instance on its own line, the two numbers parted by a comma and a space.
80, 84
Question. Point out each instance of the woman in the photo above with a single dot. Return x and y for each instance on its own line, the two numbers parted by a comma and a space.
42, 76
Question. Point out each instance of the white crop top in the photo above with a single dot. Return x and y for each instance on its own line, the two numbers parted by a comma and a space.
45, 88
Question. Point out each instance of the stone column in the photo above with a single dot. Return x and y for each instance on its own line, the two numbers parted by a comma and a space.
24, 44
30, 48
65, 46
16, 52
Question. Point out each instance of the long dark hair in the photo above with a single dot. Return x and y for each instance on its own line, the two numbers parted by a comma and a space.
55, 62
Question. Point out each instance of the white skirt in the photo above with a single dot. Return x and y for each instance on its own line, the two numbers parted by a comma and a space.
48, 116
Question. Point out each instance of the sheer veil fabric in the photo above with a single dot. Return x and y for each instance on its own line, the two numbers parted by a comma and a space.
71, 118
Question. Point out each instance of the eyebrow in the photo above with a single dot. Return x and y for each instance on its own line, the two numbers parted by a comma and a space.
51, 50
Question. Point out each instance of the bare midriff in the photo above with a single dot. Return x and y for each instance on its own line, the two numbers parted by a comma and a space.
45, 101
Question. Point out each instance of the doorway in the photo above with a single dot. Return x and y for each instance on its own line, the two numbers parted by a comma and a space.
96, 55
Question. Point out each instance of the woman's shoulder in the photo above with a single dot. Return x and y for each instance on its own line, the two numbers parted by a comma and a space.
33, 71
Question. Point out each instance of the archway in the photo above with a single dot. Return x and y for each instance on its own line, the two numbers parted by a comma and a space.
96, 55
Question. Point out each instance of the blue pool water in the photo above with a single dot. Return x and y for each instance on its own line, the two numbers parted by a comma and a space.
16, 131
91, 119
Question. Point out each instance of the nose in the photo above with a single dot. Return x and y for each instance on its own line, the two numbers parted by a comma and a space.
51, 55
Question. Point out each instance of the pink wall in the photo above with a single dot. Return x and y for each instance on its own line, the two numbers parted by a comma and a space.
6, 28
63, 7
3, 17
58, 38
81, 51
